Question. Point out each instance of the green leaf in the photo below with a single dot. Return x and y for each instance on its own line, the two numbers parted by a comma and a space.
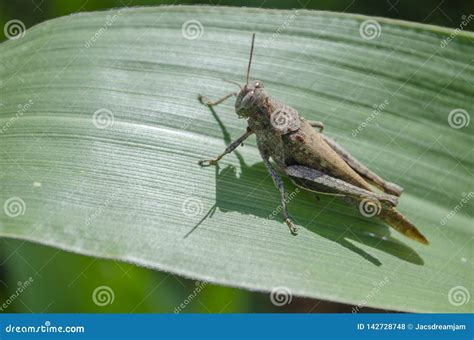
101, 131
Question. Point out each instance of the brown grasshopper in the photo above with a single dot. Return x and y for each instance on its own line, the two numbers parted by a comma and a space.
313, 161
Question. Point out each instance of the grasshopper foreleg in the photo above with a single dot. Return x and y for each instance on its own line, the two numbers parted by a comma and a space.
231, 147
318, 181
206, 101
388, 187
281, 188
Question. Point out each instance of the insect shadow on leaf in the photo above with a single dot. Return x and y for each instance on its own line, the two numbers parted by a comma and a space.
230, 197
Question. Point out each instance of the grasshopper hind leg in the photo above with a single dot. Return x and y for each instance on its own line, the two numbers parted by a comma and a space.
281, 188
315, 180
362, 170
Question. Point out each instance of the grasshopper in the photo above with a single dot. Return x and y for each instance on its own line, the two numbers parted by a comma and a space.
312, 160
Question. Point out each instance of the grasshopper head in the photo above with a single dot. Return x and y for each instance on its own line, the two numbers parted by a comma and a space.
251, 95
249, 99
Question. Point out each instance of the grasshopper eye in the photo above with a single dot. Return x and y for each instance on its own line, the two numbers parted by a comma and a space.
248, 99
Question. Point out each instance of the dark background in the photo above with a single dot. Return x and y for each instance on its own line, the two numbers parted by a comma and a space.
64, 282
437, 12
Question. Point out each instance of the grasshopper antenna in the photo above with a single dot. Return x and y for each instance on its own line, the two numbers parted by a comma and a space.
250, 59
233, 82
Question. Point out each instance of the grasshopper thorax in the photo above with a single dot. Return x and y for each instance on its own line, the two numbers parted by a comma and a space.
249, 99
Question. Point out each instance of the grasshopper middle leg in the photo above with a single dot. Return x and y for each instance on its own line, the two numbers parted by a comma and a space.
231, 147
281, 188
388, 187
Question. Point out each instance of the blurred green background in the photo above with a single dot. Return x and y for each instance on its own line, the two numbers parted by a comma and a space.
438, 12
65, 282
